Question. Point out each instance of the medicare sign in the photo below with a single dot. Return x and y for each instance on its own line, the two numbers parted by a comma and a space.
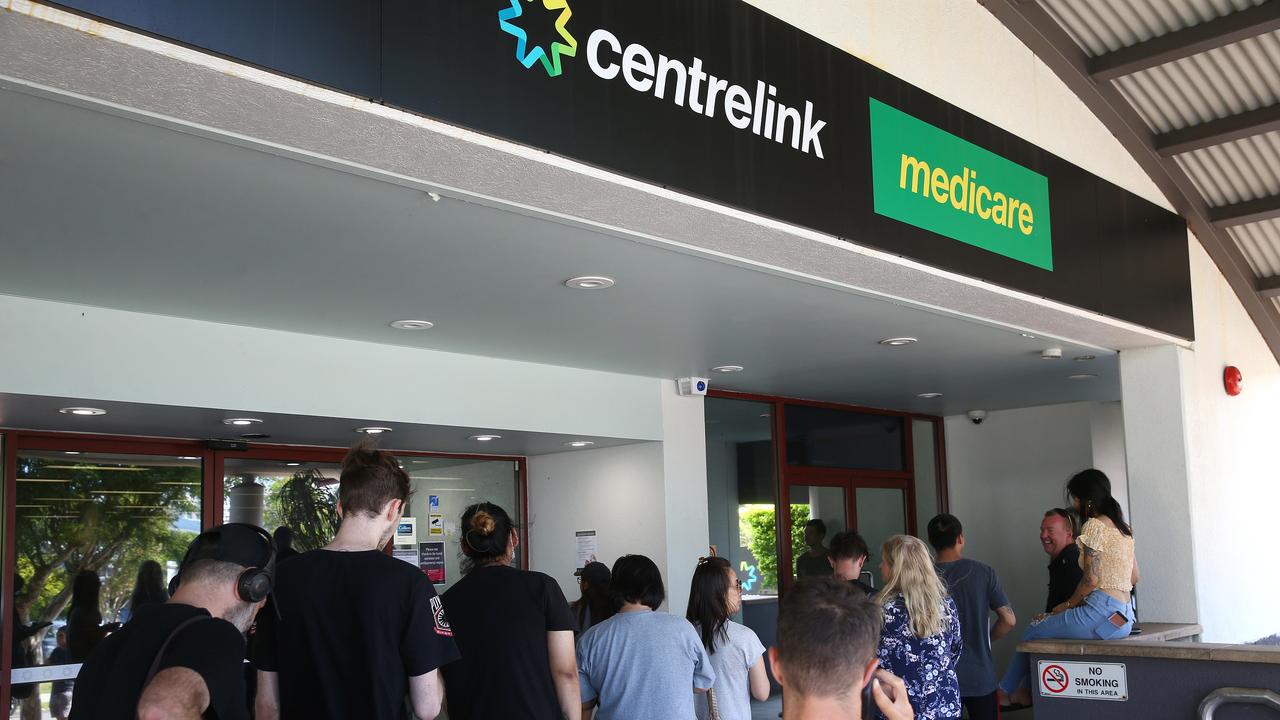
931, 179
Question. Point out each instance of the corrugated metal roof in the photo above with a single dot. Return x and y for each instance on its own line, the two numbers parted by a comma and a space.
1219, 83
1237, 171
1224, 81
1260, 243
1101, 26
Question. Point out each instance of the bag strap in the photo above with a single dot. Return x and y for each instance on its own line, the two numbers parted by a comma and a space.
714, 706
155, 664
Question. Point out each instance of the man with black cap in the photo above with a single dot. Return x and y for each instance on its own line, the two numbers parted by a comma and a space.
184, 658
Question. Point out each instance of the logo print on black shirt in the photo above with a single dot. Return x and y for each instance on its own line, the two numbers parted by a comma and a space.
437, 613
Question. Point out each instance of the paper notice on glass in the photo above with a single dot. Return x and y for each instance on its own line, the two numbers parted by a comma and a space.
431, 561
588, 547
407, 554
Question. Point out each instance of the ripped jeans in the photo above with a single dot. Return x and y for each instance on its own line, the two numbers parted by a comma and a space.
1091, 620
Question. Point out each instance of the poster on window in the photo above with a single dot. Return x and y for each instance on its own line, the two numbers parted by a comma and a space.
431, 561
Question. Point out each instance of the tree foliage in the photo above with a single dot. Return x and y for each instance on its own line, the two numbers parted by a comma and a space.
763, 539
75, 516
307, 505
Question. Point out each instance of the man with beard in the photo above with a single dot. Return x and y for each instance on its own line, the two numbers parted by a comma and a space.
183, 658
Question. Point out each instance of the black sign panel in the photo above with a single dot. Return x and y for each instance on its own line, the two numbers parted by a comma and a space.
710, 97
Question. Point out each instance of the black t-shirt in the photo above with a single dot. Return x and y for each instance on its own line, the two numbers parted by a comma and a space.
353, 628
812, 565
500, 618
111, 681
1064, 576
870, 591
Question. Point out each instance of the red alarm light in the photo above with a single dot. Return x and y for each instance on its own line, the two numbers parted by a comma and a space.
1233, 380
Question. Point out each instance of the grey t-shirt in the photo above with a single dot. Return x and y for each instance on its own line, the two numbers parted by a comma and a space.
976, 591
643, 666
734, 656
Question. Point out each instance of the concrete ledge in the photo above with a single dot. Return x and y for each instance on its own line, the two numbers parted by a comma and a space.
1158, 640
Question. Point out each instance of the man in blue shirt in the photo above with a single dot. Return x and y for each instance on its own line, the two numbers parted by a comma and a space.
977, 592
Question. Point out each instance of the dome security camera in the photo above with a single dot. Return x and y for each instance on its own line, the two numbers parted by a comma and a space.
977, 416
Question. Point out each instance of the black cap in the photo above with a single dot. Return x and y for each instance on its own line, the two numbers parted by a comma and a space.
241, 543
596, 573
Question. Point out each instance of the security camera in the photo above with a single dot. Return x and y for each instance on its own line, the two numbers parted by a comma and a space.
977, 416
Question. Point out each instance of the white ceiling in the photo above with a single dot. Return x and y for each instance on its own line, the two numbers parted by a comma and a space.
110, 211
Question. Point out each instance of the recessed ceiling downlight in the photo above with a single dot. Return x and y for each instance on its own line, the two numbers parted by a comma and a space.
412, 324
930, 395
589, 282
241, 421
727, 369
485, 438
898, 341
1082, 376
83, 411
579, 444
373, 430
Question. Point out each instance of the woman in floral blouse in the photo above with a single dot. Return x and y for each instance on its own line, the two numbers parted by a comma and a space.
921, 638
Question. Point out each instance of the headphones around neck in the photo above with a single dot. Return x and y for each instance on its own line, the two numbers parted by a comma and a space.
255, 583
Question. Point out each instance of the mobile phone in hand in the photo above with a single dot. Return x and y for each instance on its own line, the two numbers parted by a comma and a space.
868, 701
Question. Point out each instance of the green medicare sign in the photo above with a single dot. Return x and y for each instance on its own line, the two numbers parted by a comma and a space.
933, 180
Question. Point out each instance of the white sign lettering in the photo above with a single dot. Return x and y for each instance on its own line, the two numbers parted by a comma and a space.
1083, 681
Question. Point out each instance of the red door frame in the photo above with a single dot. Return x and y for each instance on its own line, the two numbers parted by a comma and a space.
786, 475
211, 493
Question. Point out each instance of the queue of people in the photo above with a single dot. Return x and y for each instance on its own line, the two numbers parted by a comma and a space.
348, 631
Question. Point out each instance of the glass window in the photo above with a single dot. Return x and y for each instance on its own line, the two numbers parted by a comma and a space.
881, 514
270, 493
98, 516
455, 484
824, 437
828, 506
926, 473
741, 491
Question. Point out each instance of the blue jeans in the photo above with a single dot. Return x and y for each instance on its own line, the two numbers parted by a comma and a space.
1091, 620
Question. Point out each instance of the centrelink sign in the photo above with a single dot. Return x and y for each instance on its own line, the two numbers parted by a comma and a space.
720, 100
688, 84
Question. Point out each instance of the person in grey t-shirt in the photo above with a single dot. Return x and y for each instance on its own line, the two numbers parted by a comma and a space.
736, 653
641, 664
977, 592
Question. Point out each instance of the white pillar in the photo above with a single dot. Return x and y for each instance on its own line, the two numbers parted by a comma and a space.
684, 461
1155, 402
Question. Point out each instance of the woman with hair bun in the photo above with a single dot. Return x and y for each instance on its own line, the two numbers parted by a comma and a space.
513, 628
1100, 608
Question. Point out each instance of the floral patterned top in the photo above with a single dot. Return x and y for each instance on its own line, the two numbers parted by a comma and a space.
927, 665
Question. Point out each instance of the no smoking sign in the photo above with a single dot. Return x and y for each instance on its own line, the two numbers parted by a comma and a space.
1083, 681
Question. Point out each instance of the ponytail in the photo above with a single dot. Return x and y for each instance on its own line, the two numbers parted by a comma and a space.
486, 533
1092, 488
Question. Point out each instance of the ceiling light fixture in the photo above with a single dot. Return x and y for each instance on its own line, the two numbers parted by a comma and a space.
930, 395
589, 282
898, 341
292, 464
241, 421
71, 452
412, 324
373, 430
188, 457
1051, 354
254, 436
1082, 376
435, 196
1028, 336
83, 411
727, 369
485, 438
579, 444
1086, 358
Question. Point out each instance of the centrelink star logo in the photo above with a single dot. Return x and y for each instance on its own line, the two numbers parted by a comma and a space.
526, 56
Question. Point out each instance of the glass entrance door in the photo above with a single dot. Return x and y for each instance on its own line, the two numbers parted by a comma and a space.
824, 502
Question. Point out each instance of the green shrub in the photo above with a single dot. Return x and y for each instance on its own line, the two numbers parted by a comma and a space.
762, 539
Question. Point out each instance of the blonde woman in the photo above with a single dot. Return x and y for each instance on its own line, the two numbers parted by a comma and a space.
920, 642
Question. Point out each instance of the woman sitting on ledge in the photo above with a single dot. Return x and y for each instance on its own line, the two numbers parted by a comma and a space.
1100, 608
